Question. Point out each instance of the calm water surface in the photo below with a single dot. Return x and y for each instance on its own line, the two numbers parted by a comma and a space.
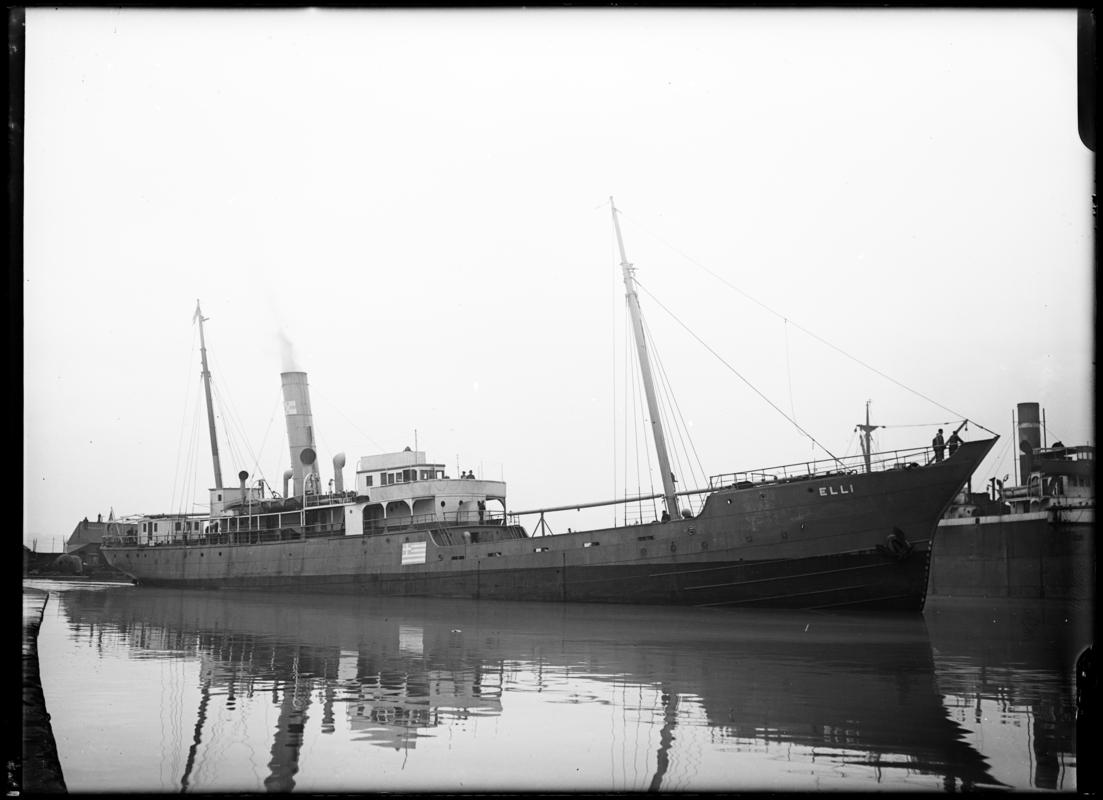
157, 690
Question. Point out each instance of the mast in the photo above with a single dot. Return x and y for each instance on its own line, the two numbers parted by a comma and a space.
645, 371
866, 430
210, 405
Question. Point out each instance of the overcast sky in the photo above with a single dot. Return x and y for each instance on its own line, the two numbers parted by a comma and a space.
418, 202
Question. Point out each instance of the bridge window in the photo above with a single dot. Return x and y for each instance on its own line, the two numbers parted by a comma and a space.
367, 480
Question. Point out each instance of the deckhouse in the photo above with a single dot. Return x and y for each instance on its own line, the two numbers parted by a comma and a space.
403, 489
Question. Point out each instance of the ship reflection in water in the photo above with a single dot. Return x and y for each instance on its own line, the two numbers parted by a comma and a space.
158, 690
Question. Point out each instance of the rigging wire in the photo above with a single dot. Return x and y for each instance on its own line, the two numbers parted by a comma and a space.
184, 417
931, 424
669, 388
624, 438
808, 332
191, 486
736, 372
639, 413
184, 486
850, 446
1052, 436
225, 419
789, 371
664, 406
264, 440
1002, 456
325, 399
613, 371
631, 366
234, 431
678, 421
676, 468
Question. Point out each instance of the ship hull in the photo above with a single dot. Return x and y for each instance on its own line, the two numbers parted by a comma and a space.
870, 580
1044, 555
832, 541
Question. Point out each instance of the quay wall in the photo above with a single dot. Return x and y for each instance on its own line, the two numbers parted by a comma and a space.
39, 771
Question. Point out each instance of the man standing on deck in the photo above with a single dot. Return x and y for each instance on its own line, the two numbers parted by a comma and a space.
954, 442
939, 445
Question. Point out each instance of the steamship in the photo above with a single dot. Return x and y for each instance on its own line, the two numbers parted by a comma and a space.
853, 533
1030, 540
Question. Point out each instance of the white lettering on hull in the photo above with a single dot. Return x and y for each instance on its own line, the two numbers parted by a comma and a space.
831, 491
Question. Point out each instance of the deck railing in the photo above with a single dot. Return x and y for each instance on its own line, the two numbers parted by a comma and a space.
375, 527
220, 537
848, 465
372, 527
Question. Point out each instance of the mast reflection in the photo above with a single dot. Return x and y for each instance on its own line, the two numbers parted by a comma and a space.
853, 690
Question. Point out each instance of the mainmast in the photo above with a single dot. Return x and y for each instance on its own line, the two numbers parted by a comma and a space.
645, 370
210, 405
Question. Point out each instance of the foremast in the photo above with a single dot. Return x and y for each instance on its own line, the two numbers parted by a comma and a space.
866, 430
210, 405
645, 370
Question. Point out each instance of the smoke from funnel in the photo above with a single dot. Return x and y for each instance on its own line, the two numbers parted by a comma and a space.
287, 353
